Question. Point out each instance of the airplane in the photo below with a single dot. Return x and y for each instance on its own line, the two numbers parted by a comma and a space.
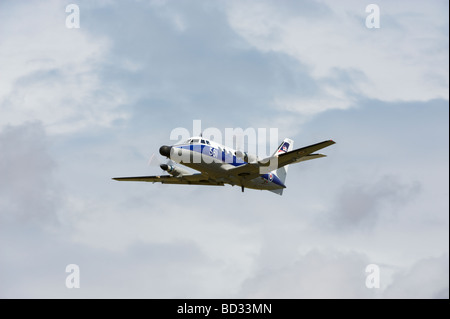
219, 165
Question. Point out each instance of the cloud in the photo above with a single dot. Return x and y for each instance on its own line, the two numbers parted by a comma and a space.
359, 206
403, 60
28, 191
427, 278
51, 73
133, 72
316, 274
330, 273
176, 76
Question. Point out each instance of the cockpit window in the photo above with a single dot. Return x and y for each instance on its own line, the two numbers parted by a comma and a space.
196, 140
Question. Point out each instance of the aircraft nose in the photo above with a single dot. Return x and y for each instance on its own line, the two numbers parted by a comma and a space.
165, 150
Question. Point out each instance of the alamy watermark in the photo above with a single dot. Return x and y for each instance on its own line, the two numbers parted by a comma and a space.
256, 150
73, 19
73, 279
373, 277
373, 19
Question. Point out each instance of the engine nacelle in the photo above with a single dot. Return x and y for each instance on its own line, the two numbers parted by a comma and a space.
173, 170
249, 158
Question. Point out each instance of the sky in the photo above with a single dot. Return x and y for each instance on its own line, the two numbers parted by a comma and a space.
79, 106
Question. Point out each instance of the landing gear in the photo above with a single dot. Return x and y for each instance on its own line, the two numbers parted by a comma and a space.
242, 188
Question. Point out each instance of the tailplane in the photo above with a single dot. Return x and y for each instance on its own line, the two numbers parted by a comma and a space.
285, 146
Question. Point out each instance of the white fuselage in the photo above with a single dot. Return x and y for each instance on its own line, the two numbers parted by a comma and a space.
216, 161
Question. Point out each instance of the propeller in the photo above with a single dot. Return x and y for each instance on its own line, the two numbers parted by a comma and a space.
168, 166
238, 141
246, 157
155, 161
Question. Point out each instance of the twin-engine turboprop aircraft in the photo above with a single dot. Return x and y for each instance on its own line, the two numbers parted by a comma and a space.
219, 165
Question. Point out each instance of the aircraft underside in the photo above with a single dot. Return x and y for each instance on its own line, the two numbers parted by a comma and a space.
216, 171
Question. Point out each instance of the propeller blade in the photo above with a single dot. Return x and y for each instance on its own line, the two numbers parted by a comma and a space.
238, 141
154, 160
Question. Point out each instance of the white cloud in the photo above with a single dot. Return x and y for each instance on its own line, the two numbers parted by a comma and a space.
28, 192
338, 274
406, 59
427, 278
331, 99
316, 274
51, 73
144, 240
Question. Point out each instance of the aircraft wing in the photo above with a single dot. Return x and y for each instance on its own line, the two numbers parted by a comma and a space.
252, 170
193, 179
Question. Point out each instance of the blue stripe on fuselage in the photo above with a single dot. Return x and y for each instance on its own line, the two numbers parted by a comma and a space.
225, 157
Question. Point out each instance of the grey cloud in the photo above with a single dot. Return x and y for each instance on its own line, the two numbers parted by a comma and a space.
27, 189
157, 241
33, 266
427, 278
360, 205
317, 274
50, 73
196, 72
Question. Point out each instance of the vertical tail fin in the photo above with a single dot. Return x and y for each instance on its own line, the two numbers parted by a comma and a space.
285, 146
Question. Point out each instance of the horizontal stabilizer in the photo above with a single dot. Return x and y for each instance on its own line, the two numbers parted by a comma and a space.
308, 157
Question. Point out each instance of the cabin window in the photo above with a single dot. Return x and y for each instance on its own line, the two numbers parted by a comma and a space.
203, 142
